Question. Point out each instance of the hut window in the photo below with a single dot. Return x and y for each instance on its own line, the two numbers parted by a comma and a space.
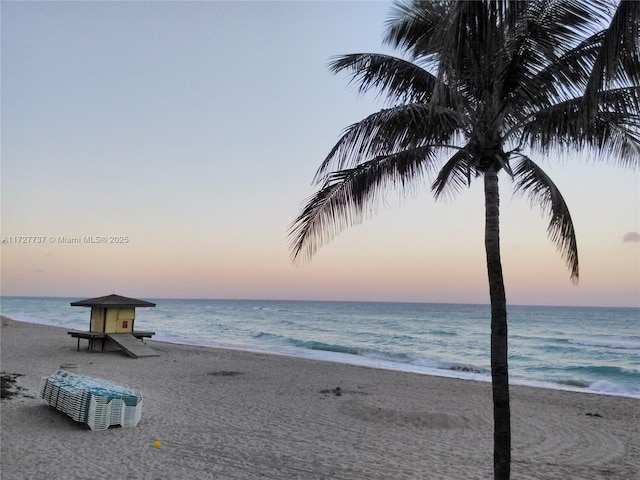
125, 324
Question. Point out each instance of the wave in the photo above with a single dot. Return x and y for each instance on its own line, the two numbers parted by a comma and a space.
266, 336
619, 345
305, 344
573, 383
604, 386
469, 369
379, 357
444, 333
630, 342
404, 338
607, 380
325, 347
607, 371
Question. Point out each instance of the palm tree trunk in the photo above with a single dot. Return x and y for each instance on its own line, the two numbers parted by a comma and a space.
499, 365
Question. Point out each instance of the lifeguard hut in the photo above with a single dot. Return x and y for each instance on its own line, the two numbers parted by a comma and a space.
111, 325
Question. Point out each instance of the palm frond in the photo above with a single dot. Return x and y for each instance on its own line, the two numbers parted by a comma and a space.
403, 81
550, 53
618, 61
532, 180
430, 33
413, 26
530, 88
349, 196
562, 25
454, 175
390, 131
462, 57
614, 132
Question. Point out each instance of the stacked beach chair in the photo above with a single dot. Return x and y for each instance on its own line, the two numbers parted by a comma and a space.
94, 401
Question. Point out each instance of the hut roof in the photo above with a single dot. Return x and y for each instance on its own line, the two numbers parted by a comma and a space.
112, 301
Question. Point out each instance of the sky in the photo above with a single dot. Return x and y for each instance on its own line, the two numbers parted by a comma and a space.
187, 134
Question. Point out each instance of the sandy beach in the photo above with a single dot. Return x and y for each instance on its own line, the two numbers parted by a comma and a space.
227, 414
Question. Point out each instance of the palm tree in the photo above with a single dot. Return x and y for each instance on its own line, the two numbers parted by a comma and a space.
484, 85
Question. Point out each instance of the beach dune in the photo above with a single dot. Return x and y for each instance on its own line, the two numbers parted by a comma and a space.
227, 414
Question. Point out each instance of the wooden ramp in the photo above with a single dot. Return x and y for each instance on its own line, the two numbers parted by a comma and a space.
131, 345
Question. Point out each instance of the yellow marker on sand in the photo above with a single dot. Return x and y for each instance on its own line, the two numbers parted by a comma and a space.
156, 444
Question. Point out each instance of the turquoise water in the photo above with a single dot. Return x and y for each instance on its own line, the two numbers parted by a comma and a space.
570, 348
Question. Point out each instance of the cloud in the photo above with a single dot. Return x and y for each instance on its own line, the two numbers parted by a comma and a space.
631, 237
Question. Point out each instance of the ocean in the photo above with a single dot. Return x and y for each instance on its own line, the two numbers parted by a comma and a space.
584, 349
